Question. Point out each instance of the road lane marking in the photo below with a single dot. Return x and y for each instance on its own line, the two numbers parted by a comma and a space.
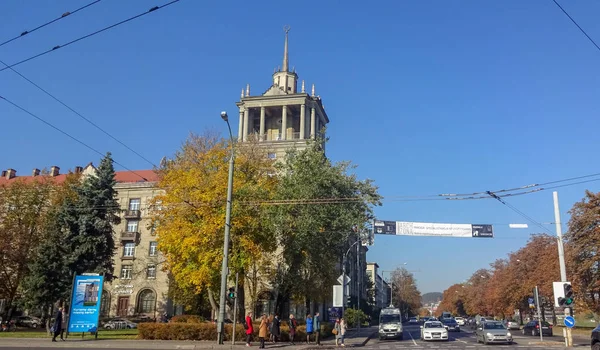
413, 339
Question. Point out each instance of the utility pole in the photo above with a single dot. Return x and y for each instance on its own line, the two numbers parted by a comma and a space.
235, 308
561, 260
536, 294
358, 280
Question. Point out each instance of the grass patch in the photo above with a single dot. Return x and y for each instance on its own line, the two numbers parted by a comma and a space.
102, 334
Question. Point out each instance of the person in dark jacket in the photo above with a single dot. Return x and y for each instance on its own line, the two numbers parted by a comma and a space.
58, 320
275, 330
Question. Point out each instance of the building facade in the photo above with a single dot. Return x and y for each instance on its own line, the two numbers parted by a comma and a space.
140, 287
381, 296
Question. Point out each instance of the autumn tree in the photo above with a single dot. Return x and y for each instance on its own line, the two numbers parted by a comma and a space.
23, 205
453, 300
405, 293
49, 278
476, 288
583, 239
321, 205
190, 215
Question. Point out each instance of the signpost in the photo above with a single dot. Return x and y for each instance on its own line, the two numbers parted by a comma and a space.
86, 296
569, 322
531, 303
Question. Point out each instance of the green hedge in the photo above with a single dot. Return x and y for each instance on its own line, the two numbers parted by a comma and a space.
208, 331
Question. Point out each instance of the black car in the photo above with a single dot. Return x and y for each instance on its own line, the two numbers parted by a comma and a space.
533, 328
596, 338
451, 325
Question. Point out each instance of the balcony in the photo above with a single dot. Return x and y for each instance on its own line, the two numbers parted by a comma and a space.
279, 137
132, 214
127, 236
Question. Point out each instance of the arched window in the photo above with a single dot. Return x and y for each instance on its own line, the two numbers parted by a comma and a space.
146, 301
105, 303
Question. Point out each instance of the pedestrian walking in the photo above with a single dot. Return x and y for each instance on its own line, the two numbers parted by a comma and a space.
65, 323
270, 325
262, 330
293, 325
275, 328
309, 328
337, 330
317, 326
249, 328
343, 328
57, 327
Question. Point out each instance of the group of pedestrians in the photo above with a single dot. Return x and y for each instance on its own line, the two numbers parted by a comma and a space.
270, 328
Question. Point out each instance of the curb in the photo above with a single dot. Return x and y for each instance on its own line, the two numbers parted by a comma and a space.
547, 343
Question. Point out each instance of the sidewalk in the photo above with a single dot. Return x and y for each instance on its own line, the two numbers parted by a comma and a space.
353, 338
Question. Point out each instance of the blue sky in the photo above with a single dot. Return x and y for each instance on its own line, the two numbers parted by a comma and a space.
425, 97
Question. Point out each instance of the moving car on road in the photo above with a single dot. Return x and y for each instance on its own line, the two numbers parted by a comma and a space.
451, 325
513, 325
434, 330
493, 332
390, 324
460, 320
413, 320
596, 338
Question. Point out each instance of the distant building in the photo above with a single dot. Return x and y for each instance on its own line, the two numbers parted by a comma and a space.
381, 297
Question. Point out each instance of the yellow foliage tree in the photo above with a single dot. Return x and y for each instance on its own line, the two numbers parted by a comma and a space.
189, 216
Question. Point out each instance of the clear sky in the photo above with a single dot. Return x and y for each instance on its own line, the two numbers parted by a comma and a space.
425, 97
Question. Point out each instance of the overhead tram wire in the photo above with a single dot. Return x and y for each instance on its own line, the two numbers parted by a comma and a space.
57, 47
527, 217
68, 135
576, 24
78, 114
64, 15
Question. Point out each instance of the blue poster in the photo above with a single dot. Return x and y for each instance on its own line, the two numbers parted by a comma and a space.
85, 303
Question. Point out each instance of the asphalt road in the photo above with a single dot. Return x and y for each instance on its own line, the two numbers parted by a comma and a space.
465, 339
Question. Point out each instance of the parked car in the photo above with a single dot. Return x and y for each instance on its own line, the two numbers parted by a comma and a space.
513, 325
28, 321
120, 323
434, 330
493, 332
533, 328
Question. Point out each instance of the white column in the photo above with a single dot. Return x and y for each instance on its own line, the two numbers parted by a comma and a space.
241, 127
302, 120
246, 117
262, 123
312, 123
283, 122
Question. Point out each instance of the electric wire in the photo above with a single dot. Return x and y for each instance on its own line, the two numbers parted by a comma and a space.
576, 24
64, 15
57, 47
78, 114
67, 134
527, 217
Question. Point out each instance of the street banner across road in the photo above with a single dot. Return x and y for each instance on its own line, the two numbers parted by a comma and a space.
403, 228
85, 303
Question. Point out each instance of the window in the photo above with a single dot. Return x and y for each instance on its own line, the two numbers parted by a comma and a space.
129, 250
272, 155
105, 304
132, 225
146, 301
134, 204
126, 272
153, 249
151, 271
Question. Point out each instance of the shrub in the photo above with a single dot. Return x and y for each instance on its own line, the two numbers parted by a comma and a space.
353, 316
187, 319
208, 331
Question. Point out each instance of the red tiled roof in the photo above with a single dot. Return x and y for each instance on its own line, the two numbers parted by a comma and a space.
120, 176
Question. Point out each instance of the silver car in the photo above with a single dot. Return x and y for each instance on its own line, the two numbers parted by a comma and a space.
493, 332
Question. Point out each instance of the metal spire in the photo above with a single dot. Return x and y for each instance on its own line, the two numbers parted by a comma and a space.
286, 59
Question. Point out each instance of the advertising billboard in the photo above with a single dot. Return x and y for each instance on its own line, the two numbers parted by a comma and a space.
403, 228
85, 303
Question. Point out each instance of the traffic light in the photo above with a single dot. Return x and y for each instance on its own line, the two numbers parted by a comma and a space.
348, 300
567, 299
231, 293
568, 293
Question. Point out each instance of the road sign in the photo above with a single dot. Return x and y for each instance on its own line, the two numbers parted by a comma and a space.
569, 321
530, 300
341, 278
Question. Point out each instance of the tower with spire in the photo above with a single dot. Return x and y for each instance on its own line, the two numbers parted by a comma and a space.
281, 117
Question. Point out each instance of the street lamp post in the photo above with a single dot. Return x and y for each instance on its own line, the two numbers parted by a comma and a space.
225, 266
344, 276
